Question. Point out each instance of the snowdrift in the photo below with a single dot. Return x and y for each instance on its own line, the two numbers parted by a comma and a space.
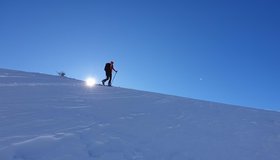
44, 117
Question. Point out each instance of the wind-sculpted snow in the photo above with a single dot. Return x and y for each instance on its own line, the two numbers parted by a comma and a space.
50, 117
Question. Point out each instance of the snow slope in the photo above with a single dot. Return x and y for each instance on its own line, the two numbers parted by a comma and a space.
45, 117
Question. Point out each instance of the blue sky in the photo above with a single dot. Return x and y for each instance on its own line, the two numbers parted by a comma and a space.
223, 51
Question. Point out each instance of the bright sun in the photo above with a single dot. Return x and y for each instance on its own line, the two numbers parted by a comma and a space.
90, 82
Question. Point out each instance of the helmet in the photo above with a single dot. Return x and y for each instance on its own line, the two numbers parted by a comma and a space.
112, 62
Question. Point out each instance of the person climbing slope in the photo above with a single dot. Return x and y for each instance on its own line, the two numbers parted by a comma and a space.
109, 68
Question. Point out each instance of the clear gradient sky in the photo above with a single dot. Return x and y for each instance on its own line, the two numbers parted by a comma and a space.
217, 50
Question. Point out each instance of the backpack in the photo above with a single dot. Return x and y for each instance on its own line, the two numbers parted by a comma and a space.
107, 67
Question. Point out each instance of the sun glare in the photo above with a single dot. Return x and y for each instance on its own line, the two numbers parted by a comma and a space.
90, 82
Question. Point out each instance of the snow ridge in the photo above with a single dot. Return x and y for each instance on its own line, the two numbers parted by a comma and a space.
45, 117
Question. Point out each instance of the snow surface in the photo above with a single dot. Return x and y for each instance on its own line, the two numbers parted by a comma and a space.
44, 117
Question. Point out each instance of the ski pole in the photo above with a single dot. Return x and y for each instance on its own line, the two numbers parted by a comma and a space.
114, 76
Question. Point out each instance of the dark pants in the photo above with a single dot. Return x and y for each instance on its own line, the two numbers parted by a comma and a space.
108, 77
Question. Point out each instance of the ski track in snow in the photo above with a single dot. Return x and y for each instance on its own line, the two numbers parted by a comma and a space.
47, 118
